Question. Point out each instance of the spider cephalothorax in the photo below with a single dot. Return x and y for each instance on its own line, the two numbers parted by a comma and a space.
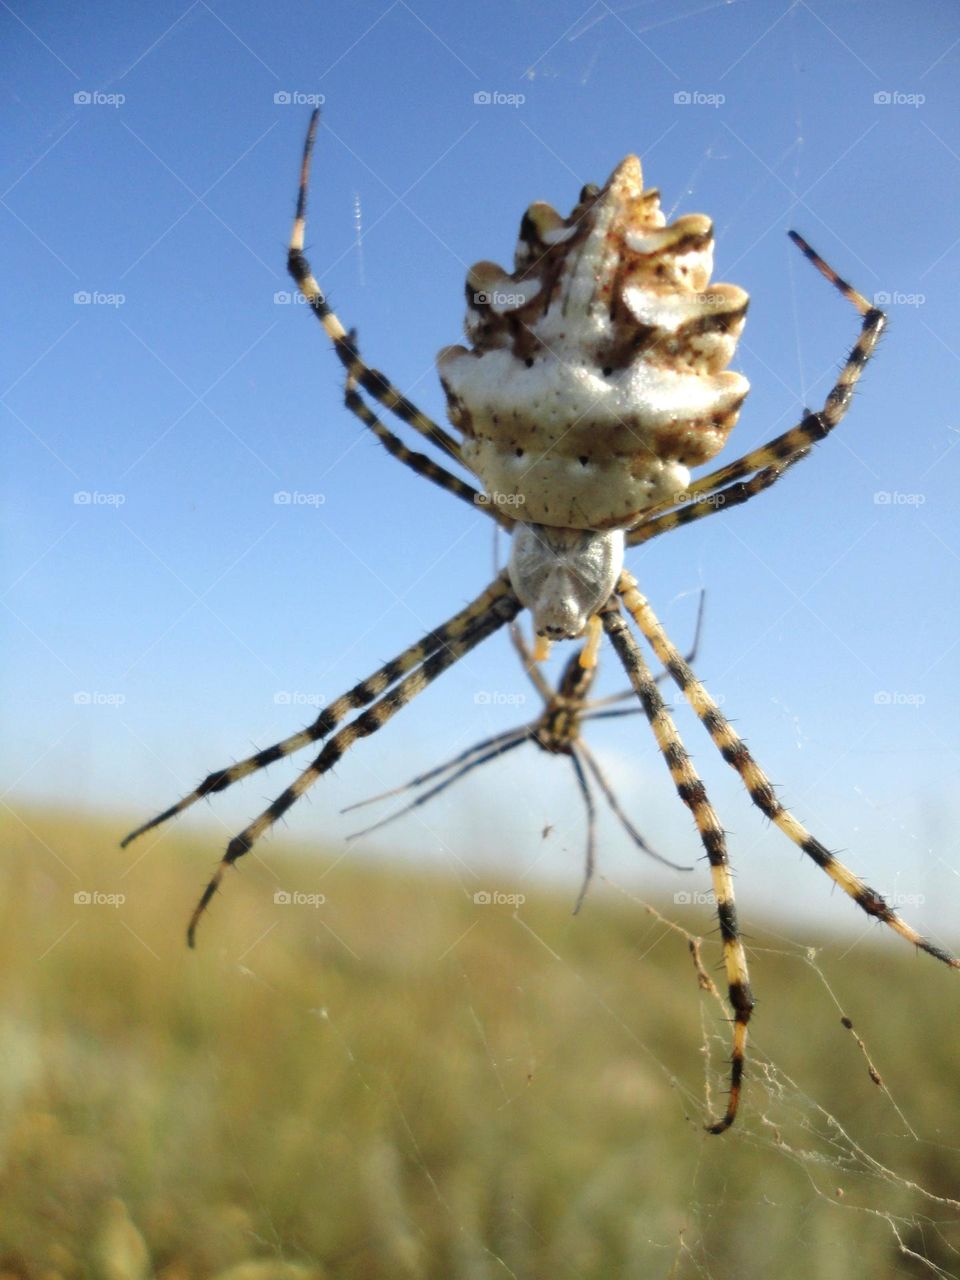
595, 379
597, 372
563, 576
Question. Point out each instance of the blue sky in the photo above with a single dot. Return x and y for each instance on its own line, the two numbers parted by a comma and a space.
195, 616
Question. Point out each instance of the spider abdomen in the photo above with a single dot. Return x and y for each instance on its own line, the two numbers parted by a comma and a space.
597, 372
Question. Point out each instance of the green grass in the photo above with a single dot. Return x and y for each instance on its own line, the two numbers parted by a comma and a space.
404, 1083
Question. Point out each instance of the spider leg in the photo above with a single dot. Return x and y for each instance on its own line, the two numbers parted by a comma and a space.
618, 712
595, 713
758, 785
500, 610
360, 695
611, 798
777, 454
372, 381
693, 794
722, 500
452, 763
530, 664
418, 462
498, 746
590, 862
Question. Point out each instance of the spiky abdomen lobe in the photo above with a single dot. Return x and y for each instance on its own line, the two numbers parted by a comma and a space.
568, 445
597, 370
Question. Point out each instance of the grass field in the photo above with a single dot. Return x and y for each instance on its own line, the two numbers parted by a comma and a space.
403, 1082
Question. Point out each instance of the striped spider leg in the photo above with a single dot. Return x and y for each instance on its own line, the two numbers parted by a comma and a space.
383, 693
692, 792
421, 662
372, 381
567, 706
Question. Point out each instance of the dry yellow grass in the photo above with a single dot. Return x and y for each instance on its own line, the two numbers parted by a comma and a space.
403, 1083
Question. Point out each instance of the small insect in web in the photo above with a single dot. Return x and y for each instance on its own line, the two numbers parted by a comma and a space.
596, 377
557, 731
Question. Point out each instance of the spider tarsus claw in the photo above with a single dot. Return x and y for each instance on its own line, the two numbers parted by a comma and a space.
719, 1126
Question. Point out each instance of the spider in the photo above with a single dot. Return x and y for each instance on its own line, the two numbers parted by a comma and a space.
595, 378
557, 731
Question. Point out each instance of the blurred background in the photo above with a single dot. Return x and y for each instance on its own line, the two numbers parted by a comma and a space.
202, 548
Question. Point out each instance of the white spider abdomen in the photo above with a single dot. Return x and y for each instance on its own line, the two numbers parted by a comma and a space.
597, 373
